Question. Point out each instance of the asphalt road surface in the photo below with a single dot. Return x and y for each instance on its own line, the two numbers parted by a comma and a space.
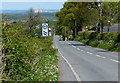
113, 28
79, 62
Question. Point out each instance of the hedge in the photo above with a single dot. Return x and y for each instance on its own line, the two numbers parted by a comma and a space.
28, 58
109, 41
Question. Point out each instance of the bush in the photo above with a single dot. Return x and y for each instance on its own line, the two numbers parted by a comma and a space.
94, 43
116, 49
81, 35
111, 36
107, 46
87, 35
99, 36
109, 41
84, 41
28, 58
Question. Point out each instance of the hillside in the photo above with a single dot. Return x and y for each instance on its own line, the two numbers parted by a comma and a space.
18, 14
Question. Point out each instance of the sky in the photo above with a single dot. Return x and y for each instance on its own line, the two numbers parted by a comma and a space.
35, 5
33, 0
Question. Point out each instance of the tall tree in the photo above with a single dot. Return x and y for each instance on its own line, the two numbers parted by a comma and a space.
76, 15
109, 13
33, 19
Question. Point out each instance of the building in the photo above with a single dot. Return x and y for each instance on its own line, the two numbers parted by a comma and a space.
9, 22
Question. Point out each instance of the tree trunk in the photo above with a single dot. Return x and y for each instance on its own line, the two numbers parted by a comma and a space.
73, 33
102, 26
30, 28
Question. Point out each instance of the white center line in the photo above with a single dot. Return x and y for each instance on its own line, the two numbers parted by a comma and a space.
100, 56
82, 50
73, 46
68, 42
78, 49
114, 60
89, 53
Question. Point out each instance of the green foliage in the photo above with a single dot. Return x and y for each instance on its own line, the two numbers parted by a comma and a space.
50, 16
107, 45
109, 41
76, 15
33, 19
84, 41
110, 12
112, 36
15, 16
94, 43
28, 58
99, 36
87, 35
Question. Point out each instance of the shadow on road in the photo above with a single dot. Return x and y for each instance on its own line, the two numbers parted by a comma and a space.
102, 51
78, 44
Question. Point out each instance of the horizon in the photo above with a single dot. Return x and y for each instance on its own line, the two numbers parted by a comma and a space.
25, 11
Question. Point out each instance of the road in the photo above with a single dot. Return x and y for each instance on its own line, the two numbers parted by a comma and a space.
79, 62
113, 28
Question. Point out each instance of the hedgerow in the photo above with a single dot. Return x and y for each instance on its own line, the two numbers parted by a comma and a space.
109, 41
28, 58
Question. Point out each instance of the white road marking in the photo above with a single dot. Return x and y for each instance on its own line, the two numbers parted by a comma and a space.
73, 46
89, 53
100, 56
82, 50
78, 49
114, 60
68, 42
75, 74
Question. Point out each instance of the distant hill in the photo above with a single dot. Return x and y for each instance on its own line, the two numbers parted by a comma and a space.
14, 11
49, 16
18, 14
24, 11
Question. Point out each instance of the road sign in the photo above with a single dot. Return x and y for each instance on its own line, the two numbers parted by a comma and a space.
45, 29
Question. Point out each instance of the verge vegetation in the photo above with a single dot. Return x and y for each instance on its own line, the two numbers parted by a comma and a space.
27, 58
109, 41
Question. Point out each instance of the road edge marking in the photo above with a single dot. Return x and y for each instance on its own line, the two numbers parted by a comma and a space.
72, 69
75, 74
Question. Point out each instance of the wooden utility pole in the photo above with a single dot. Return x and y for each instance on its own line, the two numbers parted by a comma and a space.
75, 28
